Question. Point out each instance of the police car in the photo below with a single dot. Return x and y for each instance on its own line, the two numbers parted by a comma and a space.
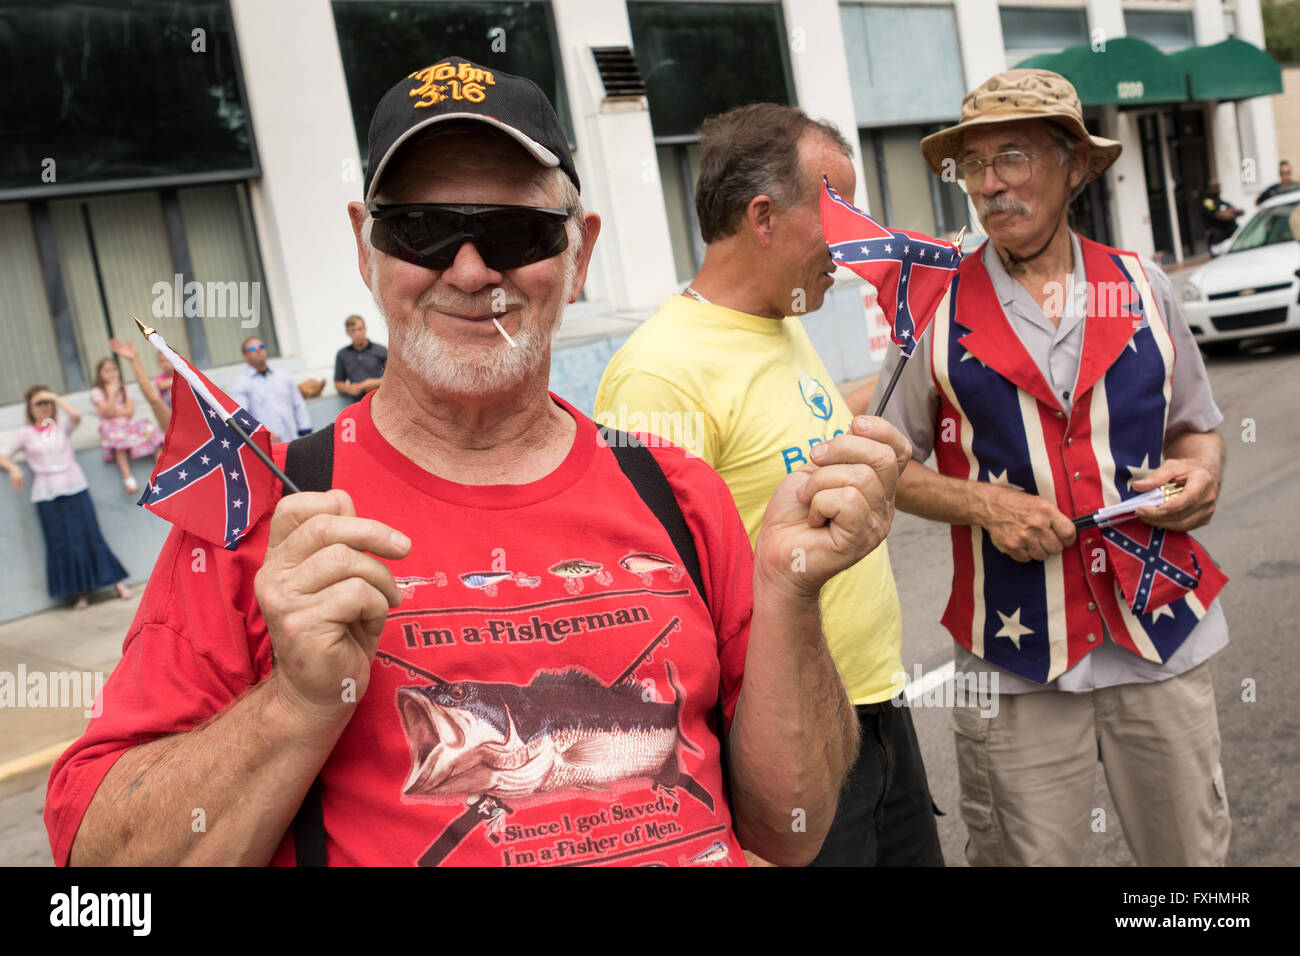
1253, 289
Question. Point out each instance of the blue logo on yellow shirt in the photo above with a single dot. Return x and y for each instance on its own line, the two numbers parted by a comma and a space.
815, 396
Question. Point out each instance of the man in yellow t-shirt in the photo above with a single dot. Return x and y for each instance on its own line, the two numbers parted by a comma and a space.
726, 371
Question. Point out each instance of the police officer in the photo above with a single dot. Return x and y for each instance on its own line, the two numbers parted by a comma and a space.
1220, 217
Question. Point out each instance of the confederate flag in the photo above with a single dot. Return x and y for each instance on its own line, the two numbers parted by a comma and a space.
909, 270
207, 481
1155, 567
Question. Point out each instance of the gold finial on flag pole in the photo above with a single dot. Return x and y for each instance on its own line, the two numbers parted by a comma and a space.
145, 330
956, 242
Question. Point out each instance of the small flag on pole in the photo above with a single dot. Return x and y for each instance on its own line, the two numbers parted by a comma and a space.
207, 480
910, 271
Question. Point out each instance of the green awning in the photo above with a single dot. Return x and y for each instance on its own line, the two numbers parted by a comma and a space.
1128, 72
1230, 70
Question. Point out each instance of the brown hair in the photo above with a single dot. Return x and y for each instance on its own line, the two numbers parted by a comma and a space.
750, 151
27, 400
99, 371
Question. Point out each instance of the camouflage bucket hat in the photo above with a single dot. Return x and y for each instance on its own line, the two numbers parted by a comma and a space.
1021, 95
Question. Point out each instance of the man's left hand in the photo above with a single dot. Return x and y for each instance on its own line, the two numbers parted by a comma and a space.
1191, 507
831, 513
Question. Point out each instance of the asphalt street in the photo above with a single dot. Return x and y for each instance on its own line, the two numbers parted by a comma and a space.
1253, 537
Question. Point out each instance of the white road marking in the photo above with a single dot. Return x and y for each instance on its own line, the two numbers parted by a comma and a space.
928, 681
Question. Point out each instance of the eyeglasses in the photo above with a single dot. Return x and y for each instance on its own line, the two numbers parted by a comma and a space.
1012, 167
43, 401
256, 348
431, 234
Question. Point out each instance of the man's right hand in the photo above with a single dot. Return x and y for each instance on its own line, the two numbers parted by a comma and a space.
325, 599
1025, 527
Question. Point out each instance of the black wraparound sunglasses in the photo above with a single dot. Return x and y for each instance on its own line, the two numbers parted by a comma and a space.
431, 234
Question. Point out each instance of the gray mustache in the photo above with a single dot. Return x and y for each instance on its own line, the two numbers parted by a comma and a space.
470, 304
1003, 204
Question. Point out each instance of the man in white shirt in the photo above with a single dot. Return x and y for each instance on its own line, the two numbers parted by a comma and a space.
270, 395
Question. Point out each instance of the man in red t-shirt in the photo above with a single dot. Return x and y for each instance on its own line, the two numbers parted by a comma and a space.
482, 644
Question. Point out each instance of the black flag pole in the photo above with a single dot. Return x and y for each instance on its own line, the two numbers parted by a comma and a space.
889, 389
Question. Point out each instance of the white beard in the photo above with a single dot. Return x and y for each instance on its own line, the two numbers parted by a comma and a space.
429, 358
445, 369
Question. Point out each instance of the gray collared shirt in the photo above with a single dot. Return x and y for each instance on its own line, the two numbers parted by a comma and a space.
1056, 350
274, 401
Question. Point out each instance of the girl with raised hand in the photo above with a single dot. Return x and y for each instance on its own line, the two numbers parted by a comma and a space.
120, 434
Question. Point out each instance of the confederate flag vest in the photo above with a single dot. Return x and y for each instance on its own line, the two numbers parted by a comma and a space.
999, 421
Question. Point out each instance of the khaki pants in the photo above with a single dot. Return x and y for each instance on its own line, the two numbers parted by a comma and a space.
1028, 774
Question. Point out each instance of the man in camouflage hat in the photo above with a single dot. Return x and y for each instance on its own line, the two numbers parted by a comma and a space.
1061, 378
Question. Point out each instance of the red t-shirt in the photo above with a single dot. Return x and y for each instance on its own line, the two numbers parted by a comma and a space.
498, 677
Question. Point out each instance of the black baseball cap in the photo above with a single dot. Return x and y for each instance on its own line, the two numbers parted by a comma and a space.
455, 88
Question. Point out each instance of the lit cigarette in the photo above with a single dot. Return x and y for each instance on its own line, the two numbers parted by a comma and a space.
503, 332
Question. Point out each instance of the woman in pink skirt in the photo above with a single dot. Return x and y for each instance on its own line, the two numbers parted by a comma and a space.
120, 434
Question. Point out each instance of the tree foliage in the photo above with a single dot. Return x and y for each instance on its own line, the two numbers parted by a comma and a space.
1282, 29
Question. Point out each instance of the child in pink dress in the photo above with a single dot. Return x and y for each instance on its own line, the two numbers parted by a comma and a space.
120, 434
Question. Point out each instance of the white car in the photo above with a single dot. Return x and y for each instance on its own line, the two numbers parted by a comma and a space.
1253, 289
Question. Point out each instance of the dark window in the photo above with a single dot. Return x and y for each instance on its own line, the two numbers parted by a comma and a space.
100, 93
1165, 30
699, 59
1028, 30
901, 190
383, 42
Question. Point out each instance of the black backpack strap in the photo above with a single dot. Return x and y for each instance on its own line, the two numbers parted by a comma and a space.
641, 469
309, 464
309, 461
639, 465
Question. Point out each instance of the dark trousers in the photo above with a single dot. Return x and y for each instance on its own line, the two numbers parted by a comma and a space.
885, 815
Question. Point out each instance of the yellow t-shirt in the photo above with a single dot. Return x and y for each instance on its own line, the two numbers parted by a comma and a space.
751, 397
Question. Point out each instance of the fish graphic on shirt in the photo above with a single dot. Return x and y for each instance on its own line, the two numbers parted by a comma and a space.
563, 731
575, 569
485, 581
407, 585
644, 565
715, 852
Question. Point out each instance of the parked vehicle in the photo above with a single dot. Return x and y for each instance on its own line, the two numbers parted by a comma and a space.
1253, 289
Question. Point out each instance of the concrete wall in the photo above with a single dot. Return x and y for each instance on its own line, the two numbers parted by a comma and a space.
1286, 113
134, 534
302, 123
1255, 117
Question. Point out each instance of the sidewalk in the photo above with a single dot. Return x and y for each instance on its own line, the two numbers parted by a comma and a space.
55, 642
1173, 270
